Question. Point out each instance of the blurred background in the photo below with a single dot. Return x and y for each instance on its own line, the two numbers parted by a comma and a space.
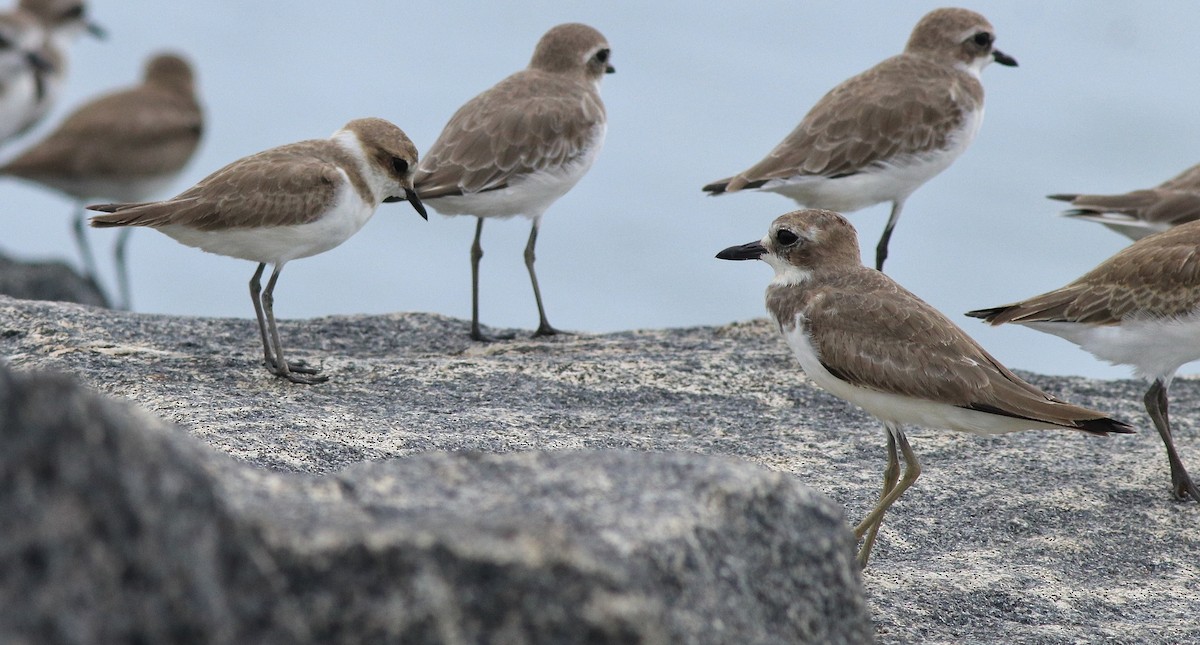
1102, 102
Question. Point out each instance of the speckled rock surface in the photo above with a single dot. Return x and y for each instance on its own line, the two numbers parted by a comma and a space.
1034, 537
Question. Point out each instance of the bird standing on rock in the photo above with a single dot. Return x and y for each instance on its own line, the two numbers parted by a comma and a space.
862, 337
285, 203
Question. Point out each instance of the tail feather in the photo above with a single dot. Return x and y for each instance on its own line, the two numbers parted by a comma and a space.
717, 187
115, 218
1103, 426
1064, 197
994, 315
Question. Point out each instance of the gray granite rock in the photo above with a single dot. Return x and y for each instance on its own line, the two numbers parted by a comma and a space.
48, 281
1043, 536
116, 527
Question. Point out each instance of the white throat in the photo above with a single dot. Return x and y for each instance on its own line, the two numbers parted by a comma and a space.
786, 273
376, 180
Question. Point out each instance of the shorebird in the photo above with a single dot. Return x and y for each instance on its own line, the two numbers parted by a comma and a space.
862, 337
23, 56
1140, 307
1143, 212
519, 146
127, 146
880, 135
289, 202
62, 22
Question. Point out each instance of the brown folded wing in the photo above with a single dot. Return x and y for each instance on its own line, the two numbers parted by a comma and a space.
530, 121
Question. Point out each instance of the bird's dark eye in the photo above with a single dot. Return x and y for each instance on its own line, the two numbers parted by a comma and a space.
399, 165
73, 12
786, 237
5, 43
983, 39
602, 55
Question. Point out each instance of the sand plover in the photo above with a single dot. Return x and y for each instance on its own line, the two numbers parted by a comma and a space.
1142, 212
23, 56
127, 146
1140, 307
862, 337
522, 144
62, 21
880, 135
285, 203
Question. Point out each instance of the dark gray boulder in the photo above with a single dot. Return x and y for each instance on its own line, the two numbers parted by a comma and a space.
53, 280
118, 528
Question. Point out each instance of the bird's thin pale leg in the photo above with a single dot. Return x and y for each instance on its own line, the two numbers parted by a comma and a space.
294, 372
544, 328
256, 298
881, 249
912, 470
119, 254
890, 474
476, 255
85, 249
1156, 405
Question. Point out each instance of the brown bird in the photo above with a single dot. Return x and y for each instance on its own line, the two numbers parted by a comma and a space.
1143, 212
861, 336
1141, 307
880, 135
519, 146
127, 146
285, 203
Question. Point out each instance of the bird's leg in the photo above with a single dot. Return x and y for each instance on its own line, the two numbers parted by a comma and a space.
1156, 405
294, 372
881, 249
890, 474
476, 255
85, 249
124, 291
544, 328
912, 470
256, 298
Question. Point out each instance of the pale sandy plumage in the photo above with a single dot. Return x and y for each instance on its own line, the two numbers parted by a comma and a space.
863, 337
126, 146
1139, 213
522, 144
1141, 307
62, 22
880, 135
285, 203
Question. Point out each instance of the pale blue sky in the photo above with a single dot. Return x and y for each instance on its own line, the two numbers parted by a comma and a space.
1104, 100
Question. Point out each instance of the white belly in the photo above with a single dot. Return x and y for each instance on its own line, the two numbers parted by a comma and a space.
19, 107
888, 182
138, 189
529, 195
280, 244
1155, 349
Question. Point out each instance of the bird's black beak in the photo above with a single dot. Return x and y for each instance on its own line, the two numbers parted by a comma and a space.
750, 251
610, 69
96, 30
415, 200
1003, 59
